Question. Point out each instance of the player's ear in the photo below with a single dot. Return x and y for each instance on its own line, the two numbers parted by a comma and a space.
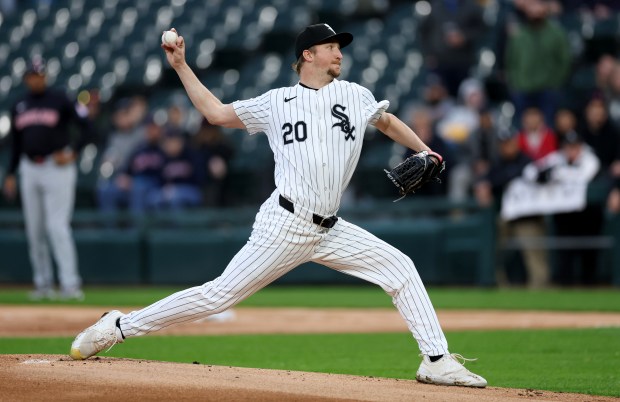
308, 55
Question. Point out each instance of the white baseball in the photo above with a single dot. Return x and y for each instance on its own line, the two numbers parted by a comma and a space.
169, 37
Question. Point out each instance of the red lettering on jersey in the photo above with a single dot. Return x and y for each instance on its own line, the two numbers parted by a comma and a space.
37, 117
147, 161
177, 169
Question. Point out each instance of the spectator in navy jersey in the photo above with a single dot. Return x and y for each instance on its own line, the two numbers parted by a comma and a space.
181, 175
216, 153
142, 175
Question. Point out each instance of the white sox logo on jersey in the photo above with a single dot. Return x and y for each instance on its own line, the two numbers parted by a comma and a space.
344, 123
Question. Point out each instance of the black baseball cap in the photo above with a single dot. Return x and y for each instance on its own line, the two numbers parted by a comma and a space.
319, 33
36, 65
571, 137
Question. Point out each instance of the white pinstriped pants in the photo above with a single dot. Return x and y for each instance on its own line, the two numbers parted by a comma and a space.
280, 241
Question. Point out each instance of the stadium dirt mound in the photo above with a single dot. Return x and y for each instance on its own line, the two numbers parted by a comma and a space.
53, 378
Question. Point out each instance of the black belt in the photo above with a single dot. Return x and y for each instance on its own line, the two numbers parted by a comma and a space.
328, 222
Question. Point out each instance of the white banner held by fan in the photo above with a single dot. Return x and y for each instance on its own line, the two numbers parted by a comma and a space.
525, 198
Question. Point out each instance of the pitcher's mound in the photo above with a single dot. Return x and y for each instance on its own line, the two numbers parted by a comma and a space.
53, 377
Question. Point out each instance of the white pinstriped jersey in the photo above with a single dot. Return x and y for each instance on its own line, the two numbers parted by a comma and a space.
316, 137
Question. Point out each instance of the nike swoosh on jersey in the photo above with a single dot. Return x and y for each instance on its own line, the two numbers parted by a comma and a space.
289, 99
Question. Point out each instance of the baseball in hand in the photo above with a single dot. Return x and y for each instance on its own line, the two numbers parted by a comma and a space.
169, 37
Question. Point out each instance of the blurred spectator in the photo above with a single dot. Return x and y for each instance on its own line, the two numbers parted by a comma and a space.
490, 188
485, 140
565, 122
436, 96
449, 36
216, 153
603, 71
538, 62
138, 109
613, 200
420, 120
142, 175
536, 140
129, 132
574, 163
508, 165
457, 129
181, 176
600, 134
176, 119
613, 94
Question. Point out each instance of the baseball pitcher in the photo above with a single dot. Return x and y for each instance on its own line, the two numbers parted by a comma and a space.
316, 130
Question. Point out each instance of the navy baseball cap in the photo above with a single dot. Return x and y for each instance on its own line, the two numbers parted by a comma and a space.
36, 66
320, 33
571, 137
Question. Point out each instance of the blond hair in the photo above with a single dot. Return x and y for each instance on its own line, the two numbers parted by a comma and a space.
297, 64
300, 61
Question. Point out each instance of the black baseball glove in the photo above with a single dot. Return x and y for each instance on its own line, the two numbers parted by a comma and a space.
415, 171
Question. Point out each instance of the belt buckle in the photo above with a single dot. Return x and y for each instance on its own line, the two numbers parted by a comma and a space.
328, 222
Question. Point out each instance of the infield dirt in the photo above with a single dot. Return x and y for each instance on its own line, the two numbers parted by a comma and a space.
58, 378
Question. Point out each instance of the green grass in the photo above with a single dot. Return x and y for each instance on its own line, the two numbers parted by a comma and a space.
363, 297
583, 361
